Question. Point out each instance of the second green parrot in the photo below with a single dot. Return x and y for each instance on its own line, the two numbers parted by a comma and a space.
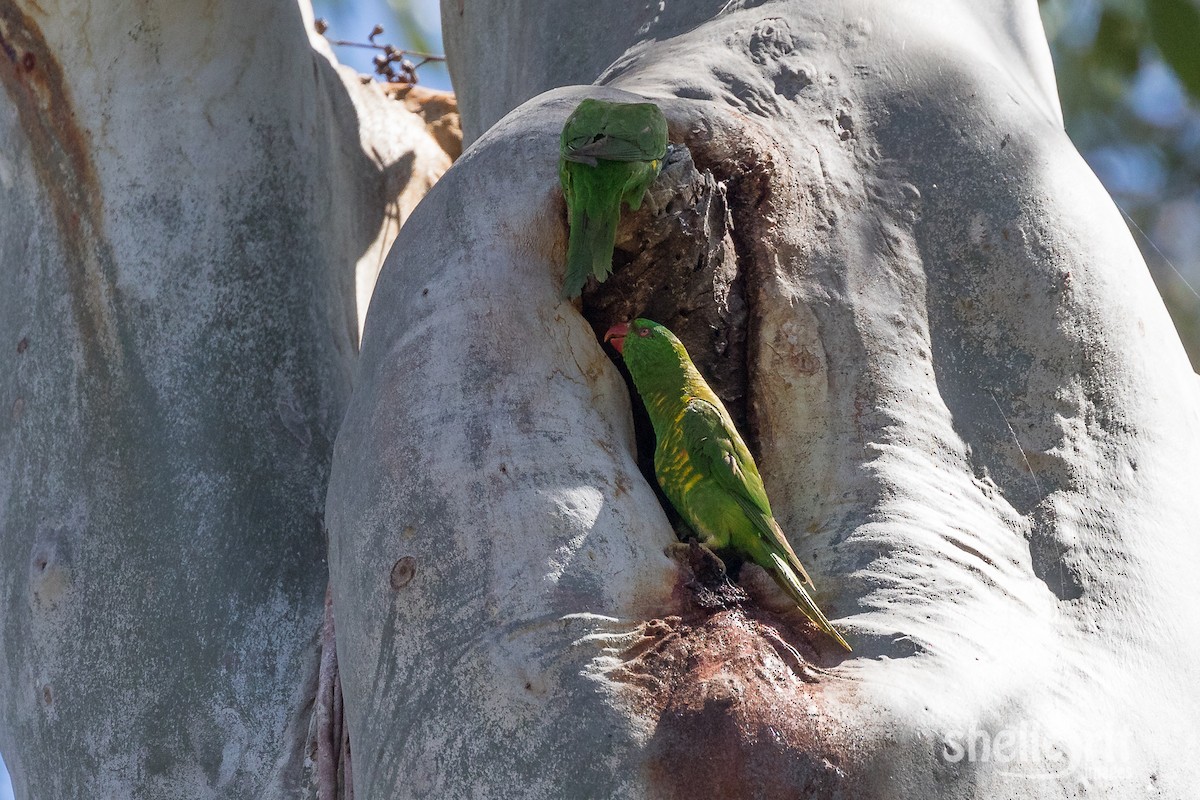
704, 466
609, 154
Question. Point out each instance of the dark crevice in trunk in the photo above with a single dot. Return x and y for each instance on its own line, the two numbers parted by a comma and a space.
747, 181
687, 259
332, 736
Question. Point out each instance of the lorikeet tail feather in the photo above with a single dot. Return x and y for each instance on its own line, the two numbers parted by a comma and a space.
792, 585
590, 248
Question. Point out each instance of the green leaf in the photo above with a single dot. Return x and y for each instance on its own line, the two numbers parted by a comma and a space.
1175, 28
1118, 40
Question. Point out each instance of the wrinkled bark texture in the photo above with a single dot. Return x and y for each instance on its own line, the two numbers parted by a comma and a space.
187, 191
971, 411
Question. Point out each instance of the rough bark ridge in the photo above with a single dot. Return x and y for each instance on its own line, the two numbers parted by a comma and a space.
186, 194
971, 411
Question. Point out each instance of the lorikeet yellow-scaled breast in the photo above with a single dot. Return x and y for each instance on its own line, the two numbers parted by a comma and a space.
609, 154
702, 463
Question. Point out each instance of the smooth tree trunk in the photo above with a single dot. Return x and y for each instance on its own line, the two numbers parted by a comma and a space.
970, 408
187, 191
971, 411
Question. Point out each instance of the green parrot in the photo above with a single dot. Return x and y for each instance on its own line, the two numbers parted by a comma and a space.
702, 463
609, 153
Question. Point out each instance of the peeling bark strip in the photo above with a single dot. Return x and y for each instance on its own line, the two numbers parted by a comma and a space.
33, 80
439, 111
333, 737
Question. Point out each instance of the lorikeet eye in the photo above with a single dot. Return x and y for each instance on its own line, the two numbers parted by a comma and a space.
644, 332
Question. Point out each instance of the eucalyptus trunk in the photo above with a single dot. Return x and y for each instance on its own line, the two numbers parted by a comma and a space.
187, 192
970, 409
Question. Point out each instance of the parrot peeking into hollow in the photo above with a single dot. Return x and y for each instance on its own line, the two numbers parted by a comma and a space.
702, 463
609, 154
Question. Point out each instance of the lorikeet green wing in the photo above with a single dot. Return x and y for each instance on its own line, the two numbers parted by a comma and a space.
704, 466
609, 154
716, 448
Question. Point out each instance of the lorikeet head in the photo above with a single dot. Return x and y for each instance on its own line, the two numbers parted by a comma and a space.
600, 129
650, 336
653, 354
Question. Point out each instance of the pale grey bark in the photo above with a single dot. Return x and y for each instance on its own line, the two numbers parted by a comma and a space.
972, 412
186, 193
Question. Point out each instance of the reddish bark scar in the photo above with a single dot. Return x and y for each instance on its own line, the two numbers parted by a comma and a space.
403, 571
737, 700
807, 363
60, 151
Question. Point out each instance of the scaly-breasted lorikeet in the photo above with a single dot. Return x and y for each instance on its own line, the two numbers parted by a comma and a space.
609, 153
702, 463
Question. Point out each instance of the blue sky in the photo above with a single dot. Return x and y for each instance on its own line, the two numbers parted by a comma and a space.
353, 20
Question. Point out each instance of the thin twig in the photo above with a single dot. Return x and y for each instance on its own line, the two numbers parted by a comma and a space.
413, 53
394, 65
1016, 439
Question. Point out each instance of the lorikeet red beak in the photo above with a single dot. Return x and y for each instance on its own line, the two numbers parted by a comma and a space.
616, 334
